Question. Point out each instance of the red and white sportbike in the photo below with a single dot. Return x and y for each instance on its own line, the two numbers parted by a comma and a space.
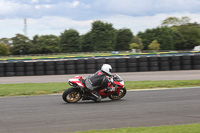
79, 90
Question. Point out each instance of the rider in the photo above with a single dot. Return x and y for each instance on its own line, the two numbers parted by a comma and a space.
100, 79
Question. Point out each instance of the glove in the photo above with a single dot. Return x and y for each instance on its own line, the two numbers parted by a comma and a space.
108, 89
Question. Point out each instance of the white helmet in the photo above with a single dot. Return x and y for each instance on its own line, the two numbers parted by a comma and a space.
107, 69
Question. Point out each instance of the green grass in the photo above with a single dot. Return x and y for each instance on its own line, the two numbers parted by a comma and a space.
190, 128
69, 55
60, 55
50, 88
161, 84
31, 89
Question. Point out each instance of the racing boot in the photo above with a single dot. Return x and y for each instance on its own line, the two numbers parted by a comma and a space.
86, 97
89, 97
97, 97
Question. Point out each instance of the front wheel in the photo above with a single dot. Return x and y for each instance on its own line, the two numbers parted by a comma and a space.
72, 95
115, 96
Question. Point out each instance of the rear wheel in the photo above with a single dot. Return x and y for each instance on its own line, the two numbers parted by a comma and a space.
72, 95
115, 96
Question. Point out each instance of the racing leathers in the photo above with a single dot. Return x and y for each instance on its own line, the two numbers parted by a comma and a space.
97, 81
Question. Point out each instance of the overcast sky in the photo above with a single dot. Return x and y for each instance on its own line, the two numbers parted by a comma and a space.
54, 16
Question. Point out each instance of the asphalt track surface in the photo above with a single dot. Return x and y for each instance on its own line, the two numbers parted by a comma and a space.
50, 114
130, 76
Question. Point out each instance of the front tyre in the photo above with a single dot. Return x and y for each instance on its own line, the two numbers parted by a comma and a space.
115, 96
72, 95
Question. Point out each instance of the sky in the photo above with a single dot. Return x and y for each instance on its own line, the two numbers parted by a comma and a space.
45, 17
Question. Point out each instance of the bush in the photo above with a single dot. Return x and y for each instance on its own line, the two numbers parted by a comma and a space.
154, 45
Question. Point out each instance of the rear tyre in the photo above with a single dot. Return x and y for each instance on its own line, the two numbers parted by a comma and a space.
72, 95
115, 96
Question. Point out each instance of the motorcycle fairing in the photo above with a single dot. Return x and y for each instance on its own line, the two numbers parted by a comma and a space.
77, 80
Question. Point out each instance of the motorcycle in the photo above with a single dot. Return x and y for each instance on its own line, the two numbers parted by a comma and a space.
79, 90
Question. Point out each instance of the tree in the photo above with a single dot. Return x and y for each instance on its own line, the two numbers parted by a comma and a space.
5, 41
123, 39
34, 46
70, 41
174, 21
20, 44
164, 35
147, 37
48, 44
4, 49
86, 42
187, 36
35, 39
134, 46
103, 36
154, 45
138, 41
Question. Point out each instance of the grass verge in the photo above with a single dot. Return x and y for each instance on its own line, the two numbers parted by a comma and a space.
50, 88
132, 85
31, 89
62, 55
190, 128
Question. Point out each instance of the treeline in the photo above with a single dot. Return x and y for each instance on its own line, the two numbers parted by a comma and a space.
173, 34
